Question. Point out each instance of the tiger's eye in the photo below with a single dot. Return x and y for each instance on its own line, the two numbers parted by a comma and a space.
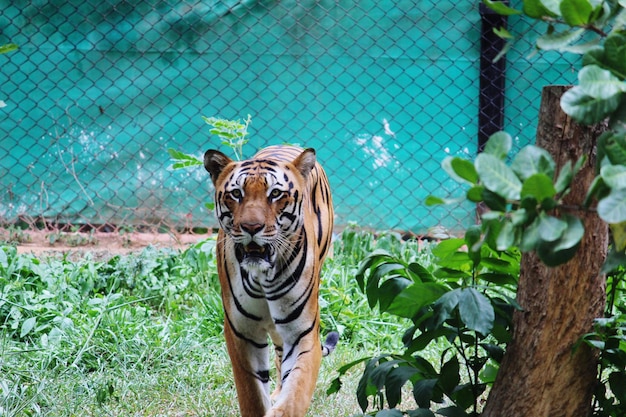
236, 193
275, 193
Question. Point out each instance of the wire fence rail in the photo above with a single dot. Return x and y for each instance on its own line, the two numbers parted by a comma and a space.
384, 90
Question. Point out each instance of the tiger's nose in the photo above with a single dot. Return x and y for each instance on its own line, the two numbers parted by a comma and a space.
252, 228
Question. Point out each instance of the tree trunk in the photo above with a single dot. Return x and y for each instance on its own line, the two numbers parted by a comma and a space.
541, 375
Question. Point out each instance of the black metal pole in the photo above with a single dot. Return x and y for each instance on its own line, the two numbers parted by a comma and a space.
492, 76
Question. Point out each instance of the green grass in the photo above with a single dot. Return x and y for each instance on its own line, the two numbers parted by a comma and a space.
141, 334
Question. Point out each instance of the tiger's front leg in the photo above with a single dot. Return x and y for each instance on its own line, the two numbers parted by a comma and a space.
250, 364
299, 369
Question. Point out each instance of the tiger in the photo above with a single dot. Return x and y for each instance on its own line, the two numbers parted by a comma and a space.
275, 214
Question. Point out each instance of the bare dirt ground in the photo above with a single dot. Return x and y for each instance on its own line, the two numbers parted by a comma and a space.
42, 242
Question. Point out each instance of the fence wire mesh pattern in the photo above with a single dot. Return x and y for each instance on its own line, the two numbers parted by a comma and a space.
383, 90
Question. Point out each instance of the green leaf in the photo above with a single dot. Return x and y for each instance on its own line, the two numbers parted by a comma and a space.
423, 391
506, 263
499, 145
9, 47
613, 146
576, 12
530, 237
566, 175
414, 297
445, 305
536, 9
503, 34
459, 169
447, 248
573, 234
548, 204
371, 261
585, 108
493, 201
533, 160
552, 5
615, 52
431, 200
175, 154
488, 374
182, 160
465, 395
378, 373
499, 279
599, 83
612, 208
614, 175
506, 237
472, 238
618, 231
389, 289
419, 273
476, 311
498, 177
464, 169
554, 253
551, 228
559, 41
427, 336
4, 261
520, 216
449, 376
617, 122
582, 48
617, 381
452, 411
396, 378
27, 326
475, 194
451, 274
373, 291
538, 186
501, 8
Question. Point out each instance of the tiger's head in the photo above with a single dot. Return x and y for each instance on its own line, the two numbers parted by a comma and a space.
259, 203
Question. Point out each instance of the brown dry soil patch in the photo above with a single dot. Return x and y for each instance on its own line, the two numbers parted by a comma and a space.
100, 244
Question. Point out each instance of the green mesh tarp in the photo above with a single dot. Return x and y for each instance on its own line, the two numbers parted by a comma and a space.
384, 90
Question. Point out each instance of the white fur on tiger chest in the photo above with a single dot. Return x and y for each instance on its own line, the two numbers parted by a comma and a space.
253, 294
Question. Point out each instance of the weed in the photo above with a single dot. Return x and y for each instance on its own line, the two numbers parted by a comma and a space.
72, 239
13, 235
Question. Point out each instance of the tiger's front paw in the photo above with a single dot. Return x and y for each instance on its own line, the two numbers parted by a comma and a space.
275, 413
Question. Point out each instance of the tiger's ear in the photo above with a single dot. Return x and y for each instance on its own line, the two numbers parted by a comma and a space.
215, 162
305, 162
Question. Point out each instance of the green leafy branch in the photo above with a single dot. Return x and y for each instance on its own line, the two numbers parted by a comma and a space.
181, 160
462, 303
522, 197
597, 30
233, 133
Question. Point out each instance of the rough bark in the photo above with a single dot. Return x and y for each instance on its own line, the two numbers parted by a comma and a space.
540, 374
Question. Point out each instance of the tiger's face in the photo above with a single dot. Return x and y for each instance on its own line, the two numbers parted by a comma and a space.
259, 204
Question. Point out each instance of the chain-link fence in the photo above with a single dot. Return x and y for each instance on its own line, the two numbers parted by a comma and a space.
384, 90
